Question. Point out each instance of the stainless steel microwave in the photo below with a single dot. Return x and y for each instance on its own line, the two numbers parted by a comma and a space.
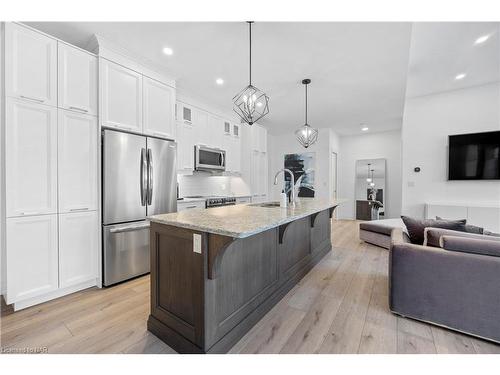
209, 158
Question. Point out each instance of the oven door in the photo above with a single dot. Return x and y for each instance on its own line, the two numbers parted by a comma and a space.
209, 159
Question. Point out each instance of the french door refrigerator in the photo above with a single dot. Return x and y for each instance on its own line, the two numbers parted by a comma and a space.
138, 179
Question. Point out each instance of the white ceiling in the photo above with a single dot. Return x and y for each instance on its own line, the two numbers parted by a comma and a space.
441, 51
358, 70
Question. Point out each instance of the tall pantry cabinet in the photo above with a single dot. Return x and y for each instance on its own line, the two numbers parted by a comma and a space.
50, 145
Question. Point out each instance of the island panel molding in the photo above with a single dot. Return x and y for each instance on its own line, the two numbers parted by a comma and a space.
194, 311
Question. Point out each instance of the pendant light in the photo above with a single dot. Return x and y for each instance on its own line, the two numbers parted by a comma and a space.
305, 134
368, 178
372, 182
251, 104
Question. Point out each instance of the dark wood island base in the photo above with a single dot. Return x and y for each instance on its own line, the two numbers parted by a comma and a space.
205, 302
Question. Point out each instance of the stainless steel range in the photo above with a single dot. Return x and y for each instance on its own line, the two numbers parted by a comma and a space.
215, 200
220, 201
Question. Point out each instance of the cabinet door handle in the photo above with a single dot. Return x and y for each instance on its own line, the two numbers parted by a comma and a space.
34, 99
30, 213
79, 209
78, 109
191, 206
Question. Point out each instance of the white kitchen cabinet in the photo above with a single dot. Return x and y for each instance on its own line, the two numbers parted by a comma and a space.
200, 118
77, 83
186, 137
77, 147
31, 158
259, 180
120, 97
233, 153
158, 109
216, 131
32, 258
78, 244
259, 138
188, 205
30, 65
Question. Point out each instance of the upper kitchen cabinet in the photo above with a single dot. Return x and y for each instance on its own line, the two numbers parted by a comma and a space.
77, 84
159, 109
121, 97
259, 138
31, 158
77, 145
30, 65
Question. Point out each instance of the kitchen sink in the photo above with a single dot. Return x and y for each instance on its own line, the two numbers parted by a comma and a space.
266, 204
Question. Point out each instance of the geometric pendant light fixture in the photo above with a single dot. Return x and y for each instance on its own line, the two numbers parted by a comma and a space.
305, 134
251, 104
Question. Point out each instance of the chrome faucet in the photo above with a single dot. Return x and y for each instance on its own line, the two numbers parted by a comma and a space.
292, 194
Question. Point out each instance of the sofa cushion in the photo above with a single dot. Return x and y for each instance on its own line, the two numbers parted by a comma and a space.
416, 227
433, 235
375, 227
471, 245
468, 228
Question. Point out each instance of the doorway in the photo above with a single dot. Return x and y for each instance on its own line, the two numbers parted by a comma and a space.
334, 180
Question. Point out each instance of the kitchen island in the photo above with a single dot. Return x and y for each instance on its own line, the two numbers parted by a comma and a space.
215, 272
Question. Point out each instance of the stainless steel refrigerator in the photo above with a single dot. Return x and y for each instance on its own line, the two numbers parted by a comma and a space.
138, 180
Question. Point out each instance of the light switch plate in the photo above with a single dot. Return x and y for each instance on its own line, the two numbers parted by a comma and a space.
197, 243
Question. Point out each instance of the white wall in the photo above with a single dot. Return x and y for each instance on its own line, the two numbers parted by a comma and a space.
279, 145
427, 122
384, 145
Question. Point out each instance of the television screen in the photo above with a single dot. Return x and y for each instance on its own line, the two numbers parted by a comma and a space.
474, 156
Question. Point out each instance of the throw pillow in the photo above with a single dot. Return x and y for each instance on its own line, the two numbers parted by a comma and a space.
468, 228
416, 227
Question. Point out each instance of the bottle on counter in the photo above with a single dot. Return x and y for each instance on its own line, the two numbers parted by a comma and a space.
283, 199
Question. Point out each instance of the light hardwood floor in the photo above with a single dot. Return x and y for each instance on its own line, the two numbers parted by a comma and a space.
341, 306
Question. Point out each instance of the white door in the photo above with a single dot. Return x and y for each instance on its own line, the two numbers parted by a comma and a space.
77, 145
30, 65
159, 108
31, 257
77, 82
78, 248
121, 97
31, 158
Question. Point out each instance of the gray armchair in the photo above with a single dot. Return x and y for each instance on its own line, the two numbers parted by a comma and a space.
455, 286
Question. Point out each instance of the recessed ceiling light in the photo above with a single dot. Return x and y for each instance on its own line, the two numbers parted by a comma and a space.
460, 76
482, 39
219, 81
168, 51
364, 129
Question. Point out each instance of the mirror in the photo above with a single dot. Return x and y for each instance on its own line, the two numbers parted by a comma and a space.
370, 189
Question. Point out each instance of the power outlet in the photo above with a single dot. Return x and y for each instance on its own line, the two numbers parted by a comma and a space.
197, 243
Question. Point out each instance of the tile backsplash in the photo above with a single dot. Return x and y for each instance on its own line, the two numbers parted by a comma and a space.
205, 184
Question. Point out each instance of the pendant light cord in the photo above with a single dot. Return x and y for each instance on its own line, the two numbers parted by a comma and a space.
306, 103
250, 38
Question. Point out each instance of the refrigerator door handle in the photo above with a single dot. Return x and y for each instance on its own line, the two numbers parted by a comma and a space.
150, 176
143, 177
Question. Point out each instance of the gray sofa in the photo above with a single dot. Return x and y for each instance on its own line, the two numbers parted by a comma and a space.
455, 285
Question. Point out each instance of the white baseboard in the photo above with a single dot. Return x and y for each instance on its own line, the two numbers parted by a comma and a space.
53, 295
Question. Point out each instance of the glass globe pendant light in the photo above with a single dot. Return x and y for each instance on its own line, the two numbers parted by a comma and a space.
251, 104
372, 183
368, 178
305, 134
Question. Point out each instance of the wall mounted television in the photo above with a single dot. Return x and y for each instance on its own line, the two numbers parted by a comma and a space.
474, 156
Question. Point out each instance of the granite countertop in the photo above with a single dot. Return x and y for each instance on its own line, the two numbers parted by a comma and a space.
241, 221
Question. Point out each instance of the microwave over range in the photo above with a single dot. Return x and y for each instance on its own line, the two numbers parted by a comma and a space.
209, 158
